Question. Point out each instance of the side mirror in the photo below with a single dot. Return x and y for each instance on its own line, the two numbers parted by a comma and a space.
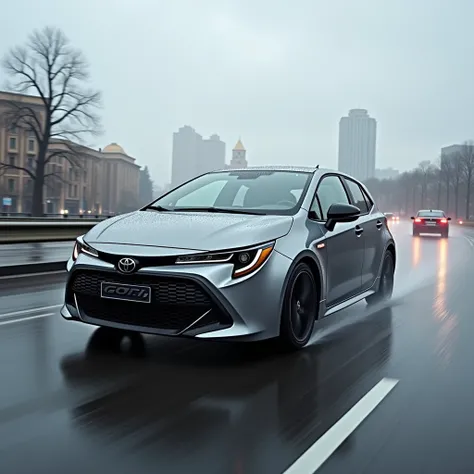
412, 218
449, 218
341, 212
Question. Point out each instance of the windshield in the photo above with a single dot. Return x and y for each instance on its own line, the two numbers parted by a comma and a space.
263, 192
431, 214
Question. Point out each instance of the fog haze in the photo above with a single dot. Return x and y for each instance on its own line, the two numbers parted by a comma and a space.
278, 74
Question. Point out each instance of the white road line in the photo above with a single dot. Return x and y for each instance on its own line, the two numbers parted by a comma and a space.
322, 449
471, 243
29, 318
30, 275
31, 310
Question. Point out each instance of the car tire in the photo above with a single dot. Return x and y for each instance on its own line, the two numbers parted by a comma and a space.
300, 308
415, 233
385, 290
445, 235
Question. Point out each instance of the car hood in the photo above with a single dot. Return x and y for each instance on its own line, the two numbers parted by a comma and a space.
198, 231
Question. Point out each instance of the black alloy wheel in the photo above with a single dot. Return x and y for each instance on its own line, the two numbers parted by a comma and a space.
387, 279
300, 308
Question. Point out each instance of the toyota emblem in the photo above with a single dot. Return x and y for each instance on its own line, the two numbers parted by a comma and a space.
127, 265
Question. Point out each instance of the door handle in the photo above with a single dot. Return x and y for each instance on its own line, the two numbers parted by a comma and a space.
358, 230
379, 225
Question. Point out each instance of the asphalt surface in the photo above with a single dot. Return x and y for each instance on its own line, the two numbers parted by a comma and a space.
69, 403
33, 253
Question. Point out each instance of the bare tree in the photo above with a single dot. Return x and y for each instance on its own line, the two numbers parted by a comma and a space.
467, 163
48, 67
447, 171
424, 171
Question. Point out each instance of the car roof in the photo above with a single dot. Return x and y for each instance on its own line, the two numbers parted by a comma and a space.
430, 210
295, 169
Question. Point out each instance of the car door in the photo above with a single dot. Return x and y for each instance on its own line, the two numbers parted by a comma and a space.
372, 223
344, 245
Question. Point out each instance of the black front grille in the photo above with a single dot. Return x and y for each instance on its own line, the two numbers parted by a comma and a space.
174, 291
165, 317
176, 303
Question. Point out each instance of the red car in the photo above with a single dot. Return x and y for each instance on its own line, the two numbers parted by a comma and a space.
431, 222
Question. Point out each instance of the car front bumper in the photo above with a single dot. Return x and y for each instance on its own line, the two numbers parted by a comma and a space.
195, 300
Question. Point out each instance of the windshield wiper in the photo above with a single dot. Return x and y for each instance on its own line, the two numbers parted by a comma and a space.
217, 210
157, 208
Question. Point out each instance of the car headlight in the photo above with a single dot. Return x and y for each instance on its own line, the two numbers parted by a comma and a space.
81, 247
245, 261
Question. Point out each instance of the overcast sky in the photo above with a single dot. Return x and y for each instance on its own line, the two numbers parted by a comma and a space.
278, 73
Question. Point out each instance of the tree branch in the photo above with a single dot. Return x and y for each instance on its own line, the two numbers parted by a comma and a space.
4, 167
52, 70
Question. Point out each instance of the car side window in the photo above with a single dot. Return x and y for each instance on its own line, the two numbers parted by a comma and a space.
368, 199
358, 195
331, 191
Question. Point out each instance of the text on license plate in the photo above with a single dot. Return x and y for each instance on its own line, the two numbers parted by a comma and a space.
125, 292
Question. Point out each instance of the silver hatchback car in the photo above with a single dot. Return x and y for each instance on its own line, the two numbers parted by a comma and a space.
243, 254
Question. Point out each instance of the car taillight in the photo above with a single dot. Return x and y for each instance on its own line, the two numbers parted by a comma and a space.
444, 221
460, 222
418, 220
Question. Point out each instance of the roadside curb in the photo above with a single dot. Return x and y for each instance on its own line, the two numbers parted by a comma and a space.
32, 268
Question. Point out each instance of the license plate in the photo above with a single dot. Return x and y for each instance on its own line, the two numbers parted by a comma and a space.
124, 292
431, 223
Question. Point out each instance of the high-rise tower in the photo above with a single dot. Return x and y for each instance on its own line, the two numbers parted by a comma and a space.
357, 141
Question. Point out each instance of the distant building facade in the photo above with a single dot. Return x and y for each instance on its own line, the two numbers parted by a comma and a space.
98, 181
211, 155
451, 150
120, 179
192, 155
357, 144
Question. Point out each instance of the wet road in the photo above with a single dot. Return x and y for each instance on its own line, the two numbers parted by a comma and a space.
38, 252
70, 402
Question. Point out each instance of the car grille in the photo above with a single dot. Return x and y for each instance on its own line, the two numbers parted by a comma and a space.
142, 262
165, 290
175, 303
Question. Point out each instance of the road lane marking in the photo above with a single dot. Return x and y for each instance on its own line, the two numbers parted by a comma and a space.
28, 318
322, 449
471, 243
31, 275
31, 310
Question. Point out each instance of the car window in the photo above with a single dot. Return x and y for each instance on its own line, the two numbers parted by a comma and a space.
315, 208
240, 196
359, 200
331, 191
203, 197
368, 199
431, 214
265, 191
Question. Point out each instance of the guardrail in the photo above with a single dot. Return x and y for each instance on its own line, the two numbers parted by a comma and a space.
24, 215
43, 230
